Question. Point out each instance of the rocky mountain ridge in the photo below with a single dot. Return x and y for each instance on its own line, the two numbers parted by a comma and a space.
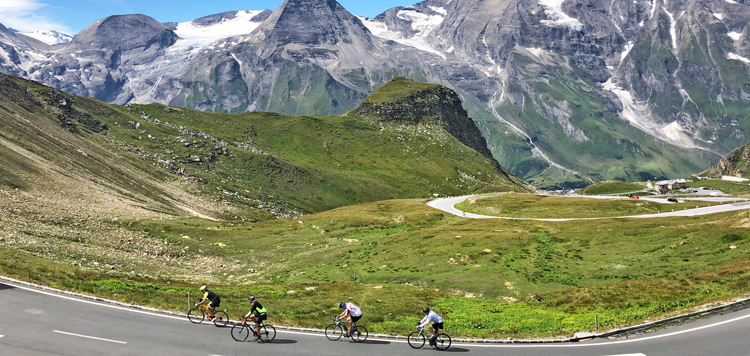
564, 92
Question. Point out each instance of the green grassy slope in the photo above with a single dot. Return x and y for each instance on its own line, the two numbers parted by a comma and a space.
258, 165
96, 198
556, 207
488, 277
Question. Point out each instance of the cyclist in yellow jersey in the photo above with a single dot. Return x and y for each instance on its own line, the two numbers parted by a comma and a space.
215, 301
257, 313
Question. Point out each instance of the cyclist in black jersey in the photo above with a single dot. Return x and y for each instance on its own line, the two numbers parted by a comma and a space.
215, 301
257, 313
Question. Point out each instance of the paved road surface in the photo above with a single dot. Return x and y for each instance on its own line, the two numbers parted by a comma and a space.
44, 323
447, 205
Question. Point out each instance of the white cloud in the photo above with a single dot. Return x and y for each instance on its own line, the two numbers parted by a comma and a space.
28, 16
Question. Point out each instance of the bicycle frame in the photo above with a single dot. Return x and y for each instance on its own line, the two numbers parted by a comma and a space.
354, 325
442, 341
252, 326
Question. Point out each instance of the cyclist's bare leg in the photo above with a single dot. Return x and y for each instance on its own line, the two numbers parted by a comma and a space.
349, 319
432, 331
210, 311
257, 325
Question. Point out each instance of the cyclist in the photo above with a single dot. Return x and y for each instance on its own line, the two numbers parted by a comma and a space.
215, 301
257, 313
354, 315
437, 323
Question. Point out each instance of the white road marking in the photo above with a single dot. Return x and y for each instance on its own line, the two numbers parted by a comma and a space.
89, 337
2, 336
630, 355
403, 341
613, 342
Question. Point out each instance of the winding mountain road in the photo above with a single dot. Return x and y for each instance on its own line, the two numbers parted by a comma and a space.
447, 205
41, 322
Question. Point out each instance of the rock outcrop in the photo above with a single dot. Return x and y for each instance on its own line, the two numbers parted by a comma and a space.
734, 164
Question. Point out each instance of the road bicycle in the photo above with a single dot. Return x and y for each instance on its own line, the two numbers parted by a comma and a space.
198, 313
241, 331
336, 330
417, 338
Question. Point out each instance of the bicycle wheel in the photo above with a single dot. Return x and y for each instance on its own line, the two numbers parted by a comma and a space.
334, 332
443, 341
416, 339
221, 318
267, 333
195, 315
359, 334
240, 332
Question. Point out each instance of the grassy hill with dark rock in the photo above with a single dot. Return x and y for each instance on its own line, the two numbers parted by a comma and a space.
732, 164
252, 166
114, 201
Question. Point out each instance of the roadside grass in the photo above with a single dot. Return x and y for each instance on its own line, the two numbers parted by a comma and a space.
495, 278
611, 187
738, 189
554, 207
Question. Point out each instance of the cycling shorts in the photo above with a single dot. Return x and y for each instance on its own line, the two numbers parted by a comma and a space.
437, 326
215, 303
356, 318
260, 317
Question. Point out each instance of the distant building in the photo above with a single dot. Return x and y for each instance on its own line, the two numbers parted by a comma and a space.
664, 186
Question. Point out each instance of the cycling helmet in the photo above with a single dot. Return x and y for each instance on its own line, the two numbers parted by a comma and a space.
251, 298
341, 306
203, 288
426, 310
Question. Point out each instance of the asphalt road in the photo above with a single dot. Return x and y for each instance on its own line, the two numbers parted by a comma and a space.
45, 323
447, 205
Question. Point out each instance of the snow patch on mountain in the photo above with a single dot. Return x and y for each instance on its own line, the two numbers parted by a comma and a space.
628, 48
194, 33
672, 28
423, 24
718, 15
737, 57
553, 9
439, 10
734, 35
4, 57
49, 37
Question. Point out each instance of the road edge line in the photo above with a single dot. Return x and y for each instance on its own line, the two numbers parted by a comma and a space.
174, 315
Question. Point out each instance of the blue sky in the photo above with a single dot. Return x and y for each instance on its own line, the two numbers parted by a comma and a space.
72, 16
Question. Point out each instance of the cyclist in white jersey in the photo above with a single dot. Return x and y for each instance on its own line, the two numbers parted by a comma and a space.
437, 323
354, 314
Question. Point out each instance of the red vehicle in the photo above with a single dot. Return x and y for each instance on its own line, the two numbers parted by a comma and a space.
634, 197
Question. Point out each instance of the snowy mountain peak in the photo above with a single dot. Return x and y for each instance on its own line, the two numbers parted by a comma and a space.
212, 28
51, 37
